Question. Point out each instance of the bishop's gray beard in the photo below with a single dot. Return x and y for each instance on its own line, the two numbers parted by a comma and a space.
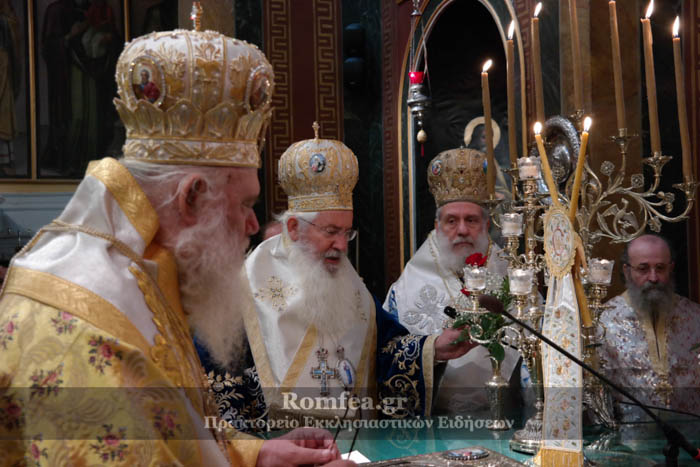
213, 287
650, 297
330, 301
453, 259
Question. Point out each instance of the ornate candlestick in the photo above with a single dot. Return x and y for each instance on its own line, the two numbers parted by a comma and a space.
511, 229
596, 396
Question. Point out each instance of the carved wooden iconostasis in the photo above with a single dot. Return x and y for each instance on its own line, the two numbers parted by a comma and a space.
457, 36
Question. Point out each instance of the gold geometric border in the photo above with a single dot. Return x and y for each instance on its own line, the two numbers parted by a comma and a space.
391, 62
278, 48
329, 99
307, 59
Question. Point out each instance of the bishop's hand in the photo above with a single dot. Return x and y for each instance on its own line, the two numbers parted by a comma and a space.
302, 446
446, 349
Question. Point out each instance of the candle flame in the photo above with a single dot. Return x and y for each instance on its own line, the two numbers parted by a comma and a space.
650, 9
538, 128
511, 30
587, 123
676, 26
538, 8
487, 65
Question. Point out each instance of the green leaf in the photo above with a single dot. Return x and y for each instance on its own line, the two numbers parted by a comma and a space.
497, 351
696, 346
460, 321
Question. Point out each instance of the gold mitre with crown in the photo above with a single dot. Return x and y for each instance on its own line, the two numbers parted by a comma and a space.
458, 175
194, 98
318, 175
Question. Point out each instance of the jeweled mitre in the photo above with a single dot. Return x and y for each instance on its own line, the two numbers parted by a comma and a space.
458, 175
195, 98
318, 175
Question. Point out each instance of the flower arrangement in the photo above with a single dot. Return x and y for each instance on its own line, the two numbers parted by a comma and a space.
489, 323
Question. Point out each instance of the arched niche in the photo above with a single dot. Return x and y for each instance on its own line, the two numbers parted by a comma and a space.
479, 29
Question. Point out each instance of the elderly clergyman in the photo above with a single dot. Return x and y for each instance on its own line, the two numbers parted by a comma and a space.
315, 330
650, 332
433, 279
97, 365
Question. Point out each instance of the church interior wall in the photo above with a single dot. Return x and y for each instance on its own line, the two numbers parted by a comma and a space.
372, 111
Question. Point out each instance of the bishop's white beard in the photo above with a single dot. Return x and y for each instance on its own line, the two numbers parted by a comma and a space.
329, 301
212, 286
650, 297
452, 258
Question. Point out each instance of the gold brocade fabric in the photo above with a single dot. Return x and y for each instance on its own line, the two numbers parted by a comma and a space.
74, 394
83, 379
62, 378
653, 360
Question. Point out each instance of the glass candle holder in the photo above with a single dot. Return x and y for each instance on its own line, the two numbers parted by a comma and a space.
512, 224
520, 280
529, 168
474, 278
600, 271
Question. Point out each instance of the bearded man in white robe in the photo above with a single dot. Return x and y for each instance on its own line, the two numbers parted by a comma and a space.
315, 330
97, 364
432, 279
651, 332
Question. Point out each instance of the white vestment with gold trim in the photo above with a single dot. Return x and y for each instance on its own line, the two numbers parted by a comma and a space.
419, 297
285, 348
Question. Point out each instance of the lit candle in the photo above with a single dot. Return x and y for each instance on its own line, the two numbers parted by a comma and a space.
680, 96
600, 271
529, 168
651, 81
510, 62
486, 99
474, 278
520, 281
579, 169
617, 67
511, 224
576, 56
553, 192
537, 64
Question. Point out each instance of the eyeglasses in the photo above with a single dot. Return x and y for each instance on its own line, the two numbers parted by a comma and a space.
330, 232
644, 268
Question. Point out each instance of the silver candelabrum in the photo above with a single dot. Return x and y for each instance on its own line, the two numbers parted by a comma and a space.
470, 313
612, 210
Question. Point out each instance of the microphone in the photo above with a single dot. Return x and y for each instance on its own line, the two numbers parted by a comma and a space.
450, 312
674, 438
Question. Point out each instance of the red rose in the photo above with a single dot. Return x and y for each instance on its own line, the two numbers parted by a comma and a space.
106, 351
35, 451
111, 440
10, 327
169, 422
476, 259
466, 292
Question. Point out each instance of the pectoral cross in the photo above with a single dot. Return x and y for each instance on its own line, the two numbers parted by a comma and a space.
322, 371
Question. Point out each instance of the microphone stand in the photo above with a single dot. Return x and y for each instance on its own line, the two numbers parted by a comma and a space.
674, 438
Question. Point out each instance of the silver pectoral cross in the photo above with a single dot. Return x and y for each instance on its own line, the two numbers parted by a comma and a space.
322, 371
